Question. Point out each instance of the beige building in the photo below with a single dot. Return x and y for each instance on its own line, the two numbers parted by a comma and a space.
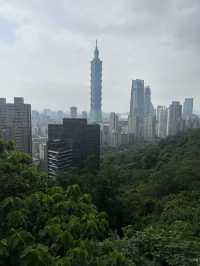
15, 123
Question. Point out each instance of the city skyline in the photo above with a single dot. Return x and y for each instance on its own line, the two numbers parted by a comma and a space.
44, 50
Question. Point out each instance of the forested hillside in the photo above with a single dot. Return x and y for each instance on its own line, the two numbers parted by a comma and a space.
141, 208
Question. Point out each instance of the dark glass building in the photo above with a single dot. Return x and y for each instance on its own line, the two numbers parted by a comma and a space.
136, 115
72, 144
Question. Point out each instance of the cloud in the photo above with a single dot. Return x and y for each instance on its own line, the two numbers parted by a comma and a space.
46, 47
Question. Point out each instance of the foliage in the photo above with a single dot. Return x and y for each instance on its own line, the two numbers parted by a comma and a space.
17, 174
142, 207
155, 189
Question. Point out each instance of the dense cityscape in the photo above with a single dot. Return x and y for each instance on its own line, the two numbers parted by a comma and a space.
60, 140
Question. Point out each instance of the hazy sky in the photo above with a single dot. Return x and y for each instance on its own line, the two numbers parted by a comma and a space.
46, 47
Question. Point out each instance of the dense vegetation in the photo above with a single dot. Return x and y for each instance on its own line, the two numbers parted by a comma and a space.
141, 208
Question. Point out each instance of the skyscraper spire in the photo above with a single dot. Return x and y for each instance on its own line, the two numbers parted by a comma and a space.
96, 52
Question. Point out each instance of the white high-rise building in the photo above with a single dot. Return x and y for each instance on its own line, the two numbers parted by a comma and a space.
162, 115
114, 129
175, 122
114, 122
149, 127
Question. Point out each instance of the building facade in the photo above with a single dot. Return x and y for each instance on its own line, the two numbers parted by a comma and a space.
149, 116
192, 122
96, 88
136, 115
148, 106
105, 134
188, 107
15, 123
149, 128
59, 156
71, 144
114, 130
174, 122
161, 117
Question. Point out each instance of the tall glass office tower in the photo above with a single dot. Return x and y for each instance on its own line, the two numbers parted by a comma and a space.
188, 107
96, 88
136, 116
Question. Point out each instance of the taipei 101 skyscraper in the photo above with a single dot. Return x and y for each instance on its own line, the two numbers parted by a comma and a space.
96, 88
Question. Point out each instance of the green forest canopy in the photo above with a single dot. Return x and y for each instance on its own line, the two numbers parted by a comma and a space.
141, 208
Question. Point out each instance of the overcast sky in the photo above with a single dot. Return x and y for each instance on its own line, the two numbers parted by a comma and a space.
46, 47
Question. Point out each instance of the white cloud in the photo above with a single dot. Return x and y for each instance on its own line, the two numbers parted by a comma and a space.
48, 44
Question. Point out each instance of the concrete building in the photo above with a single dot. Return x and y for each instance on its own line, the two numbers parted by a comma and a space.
114, 122
150, 127
15, 123
96, 88
43, 151
114, 129
161, 117
105, 135
73, 112
149, 116
136, 115
38, 143
188, 107
124, 139
71, 144
175, 122
148, 106
191, 121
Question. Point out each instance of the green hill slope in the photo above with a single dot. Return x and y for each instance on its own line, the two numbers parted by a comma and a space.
143, 209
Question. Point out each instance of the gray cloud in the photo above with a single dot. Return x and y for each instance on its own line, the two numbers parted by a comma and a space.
46, 47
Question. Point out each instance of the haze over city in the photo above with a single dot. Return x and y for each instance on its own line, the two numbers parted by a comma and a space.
99, 133
46, 48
